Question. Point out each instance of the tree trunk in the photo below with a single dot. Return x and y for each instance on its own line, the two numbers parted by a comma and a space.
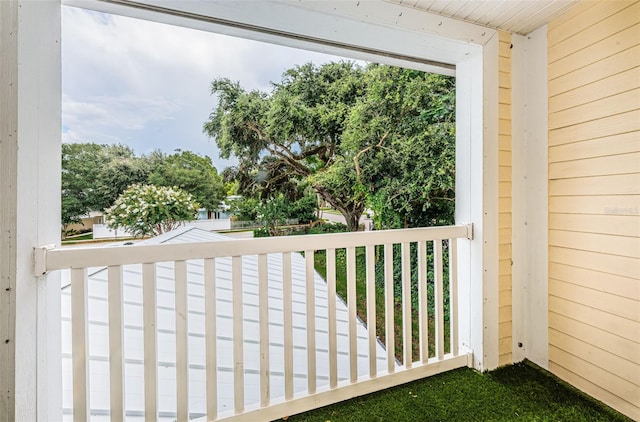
353, 221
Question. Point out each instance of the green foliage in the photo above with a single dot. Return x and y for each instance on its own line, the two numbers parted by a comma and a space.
273, 213
192, 173
93, 176
292, 133
147, 209
403, 136
378, 135
244, 209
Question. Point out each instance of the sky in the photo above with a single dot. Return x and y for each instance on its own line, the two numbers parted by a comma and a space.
146, 84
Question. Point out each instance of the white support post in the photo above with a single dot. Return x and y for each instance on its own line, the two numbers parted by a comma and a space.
477, 202
30, 361
530, 198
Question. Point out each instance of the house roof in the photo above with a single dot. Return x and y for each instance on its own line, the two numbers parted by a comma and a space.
133, 334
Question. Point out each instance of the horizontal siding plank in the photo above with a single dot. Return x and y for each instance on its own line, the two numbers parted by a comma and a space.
580, 17
504, 173
505, 329
616, 385
623, 368
504, 251
603, 243
504, 79
621, 225
568, 15
605, 107
504, 127
600, 50
504, 158
505, 359
504, 345
504, 267
504, 95
601, 147
504, 189
505, 205
504, 110
610, 106
605, 321
628, 163
594, 72
595, 390
619, 184
504, 299
607, 126
504, 36
504, 49
619, 346
504, 236
625, 287
610, 264
504, 280
612, 85
601, 205
504, 64
623, 307
504, 142
504, 221
605, 28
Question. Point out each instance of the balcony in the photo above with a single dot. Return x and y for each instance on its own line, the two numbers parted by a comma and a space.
193, 324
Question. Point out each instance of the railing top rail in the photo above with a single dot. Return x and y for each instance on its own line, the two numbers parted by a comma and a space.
48, 258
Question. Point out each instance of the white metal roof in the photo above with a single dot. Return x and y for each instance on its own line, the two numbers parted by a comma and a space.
133, 335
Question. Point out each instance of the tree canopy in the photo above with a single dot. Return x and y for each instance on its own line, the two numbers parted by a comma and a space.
371, 135
192, 173
94, 175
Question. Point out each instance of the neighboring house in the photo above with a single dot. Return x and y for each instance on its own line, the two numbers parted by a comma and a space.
547, 153
86, 222
133, 335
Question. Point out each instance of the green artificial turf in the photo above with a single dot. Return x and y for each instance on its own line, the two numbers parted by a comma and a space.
521, 392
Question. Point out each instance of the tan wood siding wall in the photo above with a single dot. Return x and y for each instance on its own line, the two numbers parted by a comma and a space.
594, 201
504, 204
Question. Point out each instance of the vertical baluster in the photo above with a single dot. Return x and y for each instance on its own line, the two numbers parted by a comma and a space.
331, 298
149, 310
263, 304
287, 309
182, 364
453, 295
80, 349
211, 337
389, 307
351, 303
116, 356
439, 309
238, 336
407, 344
371, 310
311, 321
423, 311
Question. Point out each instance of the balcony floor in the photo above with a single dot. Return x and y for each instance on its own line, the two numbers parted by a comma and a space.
518, 392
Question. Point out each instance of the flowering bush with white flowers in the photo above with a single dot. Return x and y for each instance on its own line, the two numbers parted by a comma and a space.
147, 209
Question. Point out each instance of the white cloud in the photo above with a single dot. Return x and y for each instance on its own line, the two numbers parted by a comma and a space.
147, 84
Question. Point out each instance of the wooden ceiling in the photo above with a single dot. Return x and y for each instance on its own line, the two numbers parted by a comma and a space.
517, 16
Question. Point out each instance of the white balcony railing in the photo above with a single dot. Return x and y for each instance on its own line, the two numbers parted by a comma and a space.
309, 350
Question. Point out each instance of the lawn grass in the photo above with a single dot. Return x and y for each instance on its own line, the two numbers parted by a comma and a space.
521, 392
